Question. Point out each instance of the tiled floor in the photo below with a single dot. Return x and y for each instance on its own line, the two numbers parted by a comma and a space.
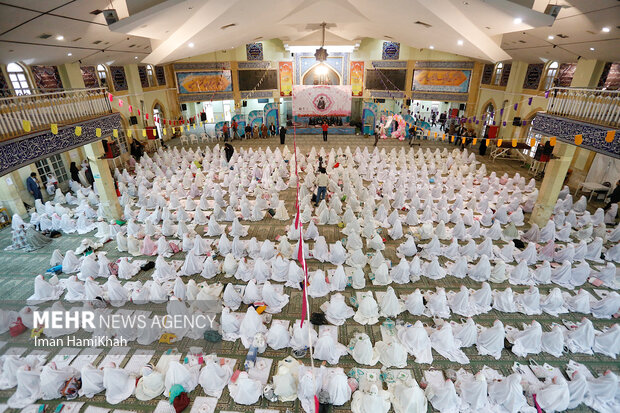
17, 270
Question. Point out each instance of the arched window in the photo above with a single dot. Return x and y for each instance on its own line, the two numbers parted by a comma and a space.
498, 73
102, 73
149, 74
18, 79
552, 71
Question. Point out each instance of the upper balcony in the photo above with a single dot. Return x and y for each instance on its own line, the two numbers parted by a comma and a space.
61, 107
600, 107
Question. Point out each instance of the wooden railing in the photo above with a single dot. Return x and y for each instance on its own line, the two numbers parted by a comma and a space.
43, 109
601, 107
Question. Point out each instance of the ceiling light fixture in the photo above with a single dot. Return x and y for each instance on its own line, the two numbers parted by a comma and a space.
550, 37
592, 48
60, 37
518, 20
135, 57
321, 54
606, 29
459, 42
431, 47
69, 54
190, 44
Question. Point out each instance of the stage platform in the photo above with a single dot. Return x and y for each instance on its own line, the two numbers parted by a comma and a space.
336, 130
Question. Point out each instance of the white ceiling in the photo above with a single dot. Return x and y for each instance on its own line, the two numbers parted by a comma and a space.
22, 21
162, 30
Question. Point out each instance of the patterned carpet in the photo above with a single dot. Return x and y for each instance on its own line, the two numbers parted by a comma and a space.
19, 268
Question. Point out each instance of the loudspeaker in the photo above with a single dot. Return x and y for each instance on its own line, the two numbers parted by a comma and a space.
183, 107
462, 106
133, 120
111, 16
380, 100
203, 116
245, 103
408, 102
516, 122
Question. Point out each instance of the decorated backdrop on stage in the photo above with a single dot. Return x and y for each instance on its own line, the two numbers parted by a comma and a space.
321, 100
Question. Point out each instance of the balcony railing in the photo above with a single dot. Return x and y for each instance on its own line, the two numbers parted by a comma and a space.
43, 109
601, 107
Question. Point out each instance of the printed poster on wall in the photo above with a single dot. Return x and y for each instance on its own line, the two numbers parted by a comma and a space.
286, 78
207, 81
436, 80
357, 78
321, 100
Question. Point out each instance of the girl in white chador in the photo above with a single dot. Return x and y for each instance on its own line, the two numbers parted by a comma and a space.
336, 310
374, 401
367, 311
245, 390
362, 351
328, 349
416, 341
118, 384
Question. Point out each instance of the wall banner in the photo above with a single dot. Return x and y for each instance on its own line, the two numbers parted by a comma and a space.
437, 80
286, 78
321, 100
357, 78
208, 81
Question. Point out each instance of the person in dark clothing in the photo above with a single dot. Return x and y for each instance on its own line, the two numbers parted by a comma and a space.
136, 149
89, 175
482, 149
282, 134
248, 131
272, 129
614, 197
229, 150
324, 127
32, 184
75, 172
377, 133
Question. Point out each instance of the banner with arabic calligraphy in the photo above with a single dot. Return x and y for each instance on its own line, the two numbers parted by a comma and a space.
437, 80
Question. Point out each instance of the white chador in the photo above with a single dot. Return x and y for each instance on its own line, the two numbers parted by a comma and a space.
318, 285
408, 397
251, 325
508, 393
390, 306
274, 300
53, 380
336, 310
245, 390
182, 374
444, 342
416, 341
92, 381
491, 340
367, 311
28, 386
118, 384
362, 351
373, 401
528, 340
278, 336
328, 349
301, 335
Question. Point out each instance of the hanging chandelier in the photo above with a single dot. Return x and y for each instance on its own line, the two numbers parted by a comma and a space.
321, 54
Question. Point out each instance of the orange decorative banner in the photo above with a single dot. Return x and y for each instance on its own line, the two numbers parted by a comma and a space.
578, 139
357, 78
610, 136
552, 141
286, 78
